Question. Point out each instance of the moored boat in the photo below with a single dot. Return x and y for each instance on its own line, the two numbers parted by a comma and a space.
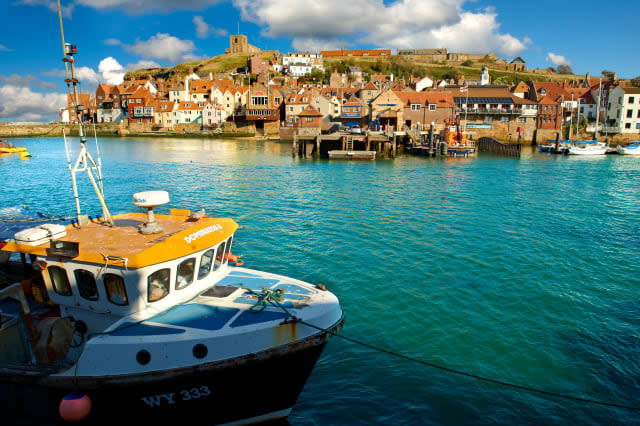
151, 318
587, 148
632, 148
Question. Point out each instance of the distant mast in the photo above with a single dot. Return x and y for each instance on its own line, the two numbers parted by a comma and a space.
84, 161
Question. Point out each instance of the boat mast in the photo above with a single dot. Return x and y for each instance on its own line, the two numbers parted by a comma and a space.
598, 110
84, 161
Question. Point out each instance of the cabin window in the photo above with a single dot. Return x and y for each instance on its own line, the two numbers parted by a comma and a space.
86, 284
158, 284
59, 280
116, 293
219, 255
185, 273
205, 263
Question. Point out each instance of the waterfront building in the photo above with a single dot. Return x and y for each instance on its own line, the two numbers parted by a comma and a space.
85, 102
188, 112
164, 112
213, 114
422, 108
262, 110
353, 113
624, 109
141, 106
294, 104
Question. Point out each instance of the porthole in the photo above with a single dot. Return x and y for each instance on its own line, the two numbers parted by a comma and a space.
143, 357
200, 350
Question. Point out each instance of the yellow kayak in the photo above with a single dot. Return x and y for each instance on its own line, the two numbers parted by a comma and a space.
25, 155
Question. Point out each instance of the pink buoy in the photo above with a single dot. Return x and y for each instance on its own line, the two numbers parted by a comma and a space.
75, 406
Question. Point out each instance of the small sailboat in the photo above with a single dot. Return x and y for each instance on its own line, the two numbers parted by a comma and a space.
590, 147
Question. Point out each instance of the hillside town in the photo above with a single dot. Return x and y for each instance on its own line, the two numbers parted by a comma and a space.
277, 97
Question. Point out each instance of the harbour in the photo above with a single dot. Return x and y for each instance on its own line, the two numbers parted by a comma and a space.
481, 264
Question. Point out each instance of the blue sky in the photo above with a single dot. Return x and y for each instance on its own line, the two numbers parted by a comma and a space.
114, 36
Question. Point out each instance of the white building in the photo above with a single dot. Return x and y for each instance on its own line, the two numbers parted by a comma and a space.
306, 58
299, 70
624, 109
423, 84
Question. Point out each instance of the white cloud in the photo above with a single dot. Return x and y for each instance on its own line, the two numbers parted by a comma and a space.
402, 24
5, 49
204, 30
111, 71
52, 5
136, 7
557, 59
22, 104
26, 81
142, 65
112, 42
164, 47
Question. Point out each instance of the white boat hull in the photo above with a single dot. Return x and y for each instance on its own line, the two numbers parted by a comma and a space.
625, 150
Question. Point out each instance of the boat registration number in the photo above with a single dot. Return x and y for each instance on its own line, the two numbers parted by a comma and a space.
171, 398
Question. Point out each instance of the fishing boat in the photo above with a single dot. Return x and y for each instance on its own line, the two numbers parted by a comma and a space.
632, 148
150, 318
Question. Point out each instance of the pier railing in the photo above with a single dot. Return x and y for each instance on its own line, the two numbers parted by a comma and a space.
495, 147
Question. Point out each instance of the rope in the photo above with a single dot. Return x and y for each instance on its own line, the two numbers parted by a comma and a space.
266, 296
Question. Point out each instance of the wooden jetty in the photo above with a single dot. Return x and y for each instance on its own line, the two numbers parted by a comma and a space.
345, 145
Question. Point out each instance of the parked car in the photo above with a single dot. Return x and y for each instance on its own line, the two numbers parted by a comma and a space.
356, 129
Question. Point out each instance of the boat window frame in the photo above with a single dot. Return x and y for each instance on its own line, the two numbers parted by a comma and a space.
227, 249
166, 285
54, 281
80, 284
219, 260
211, 263
109, 292
178, 276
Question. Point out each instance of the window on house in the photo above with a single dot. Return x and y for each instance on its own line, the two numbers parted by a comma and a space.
631, 99
627, 125
415, 107
522, 120
629, 113
86, 284
308, 119
637, 125
59, 280
638, 116
138, 101
116, 292
432, 107
158, 284
488, 119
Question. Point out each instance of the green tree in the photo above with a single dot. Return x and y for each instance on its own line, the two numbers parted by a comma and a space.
636, 81
467, 63
317, 75
564, 69
608, 74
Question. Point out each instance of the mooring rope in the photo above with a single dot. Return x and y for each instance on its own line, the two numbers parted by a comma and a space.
266, 296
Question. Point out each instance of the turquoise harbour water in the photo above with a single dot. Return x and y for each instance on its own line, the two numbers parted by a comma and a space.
521, 270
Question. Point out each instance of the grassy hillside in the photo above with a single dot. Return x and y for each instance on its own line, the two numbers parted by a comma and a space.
400, 67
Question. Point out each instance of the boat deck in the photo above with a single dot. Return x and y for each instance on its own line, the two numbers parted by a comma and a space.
180, 235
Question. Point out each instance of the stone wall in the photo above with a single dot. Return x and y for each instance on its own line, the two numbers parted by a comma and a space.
28, 130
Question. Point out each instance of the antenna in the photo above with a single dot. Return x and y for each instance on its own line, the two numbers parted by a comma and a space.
84, 161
